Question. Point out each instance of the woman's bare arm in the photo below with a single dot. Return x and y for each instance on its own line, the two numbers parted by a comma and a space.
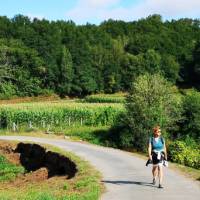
165, 151
149, 151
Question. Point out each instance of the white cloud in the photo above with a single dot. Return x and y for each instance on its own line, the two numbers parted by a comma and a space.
99, 10
89, 10
168, 8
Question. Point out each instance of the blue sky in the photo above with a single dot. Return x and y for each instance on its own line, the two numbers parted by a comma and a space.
96, 11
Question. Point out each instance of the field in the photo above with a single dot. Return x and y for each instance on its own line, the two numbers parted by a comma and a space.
106, 98
62, 113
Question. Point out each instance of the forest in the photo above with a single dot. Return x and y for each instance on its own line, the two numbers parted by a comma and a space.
40, 57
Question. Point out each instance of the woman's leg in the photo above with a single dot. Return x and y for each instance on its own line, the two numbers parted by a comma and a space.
160, 174
155, 171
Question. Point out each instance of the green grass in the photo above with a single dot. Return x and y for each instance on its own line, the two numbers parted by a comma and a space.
9, 171
86, 185
95, 135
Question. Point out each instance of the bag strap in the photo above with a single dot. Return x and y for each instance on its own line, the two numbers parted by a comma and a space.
161, 138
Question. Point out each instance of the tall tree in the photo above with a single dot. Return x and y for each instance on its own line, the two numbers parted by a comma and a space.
65, 72
6, 71
151, 102
196, 65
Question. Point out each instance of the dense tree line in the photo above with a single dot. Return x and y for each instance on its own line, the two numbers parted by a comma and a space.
41, 56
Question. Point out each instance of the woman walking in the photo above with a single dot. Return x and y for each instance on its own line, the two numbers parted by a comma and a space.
157, 154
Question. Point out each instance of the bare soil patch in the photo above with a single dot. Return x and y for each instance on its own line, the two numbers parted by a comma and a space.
41, 165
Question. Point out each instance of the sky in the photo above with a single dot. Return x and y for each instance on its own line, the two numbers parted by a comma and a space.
96, 11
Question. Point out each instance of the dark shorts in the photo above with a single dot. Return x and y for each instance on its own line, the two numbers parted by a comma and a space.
155, 160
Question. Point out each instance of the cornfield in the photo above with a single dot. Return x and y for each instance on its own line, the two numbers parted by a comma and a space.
57, 114
106, 98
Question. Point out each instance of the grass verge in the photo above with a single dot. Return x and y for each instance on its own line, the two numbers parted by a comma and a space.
9, 171
95, 135
86, 185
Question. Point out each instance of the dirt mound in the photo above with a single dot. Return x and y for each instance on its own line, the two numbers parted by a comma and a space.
39, 164
7, 149
34, 157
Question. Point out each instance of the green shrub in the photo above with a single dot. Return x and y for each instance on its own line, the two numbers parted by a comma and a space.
191, 116
151, 101
7, 90
182, 153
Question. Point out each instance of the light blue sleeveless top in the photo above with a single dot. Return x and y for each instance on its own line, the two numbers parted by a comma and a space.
157, 145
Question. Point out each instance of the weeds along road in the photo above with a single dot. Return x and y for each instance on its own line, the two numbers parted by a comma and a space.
125, 176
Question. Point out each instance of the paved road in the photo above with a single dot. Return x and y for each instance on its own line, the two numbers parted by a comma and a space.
125, 176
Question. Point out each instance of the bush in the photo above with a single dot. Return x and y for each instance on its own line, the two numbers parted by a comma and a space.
182, 153
191, 115
151, 101
120, 135
7, 90
29, 87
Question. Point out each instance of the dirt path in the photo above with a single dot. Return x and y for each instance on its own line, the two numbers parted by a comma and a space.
124, 175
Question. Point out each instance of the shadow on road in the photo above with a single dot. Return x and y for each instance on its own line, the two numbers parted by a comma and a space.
129, 182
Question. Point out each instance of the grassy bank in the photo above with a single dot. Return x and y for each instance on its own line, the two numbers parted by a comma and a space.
95, 135
9, 171
85, 185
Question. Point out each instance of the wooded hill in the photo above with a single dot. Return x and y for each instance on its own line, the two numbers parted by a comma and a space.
41, 56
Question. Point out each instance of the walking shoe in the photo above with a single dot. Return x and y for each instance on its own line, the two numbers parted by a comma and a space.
160, 186
154, 181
